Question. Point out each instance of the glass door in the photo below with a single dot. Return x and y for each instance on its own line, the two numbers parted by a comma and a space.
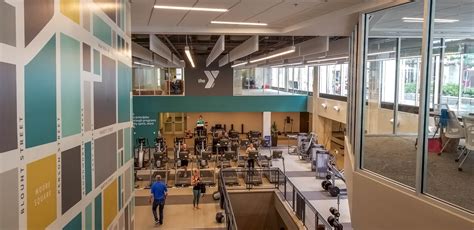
173, 123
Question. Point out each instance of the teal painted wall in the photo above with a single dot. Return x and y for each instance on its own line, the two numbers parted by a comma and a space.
70, 86
151, 106
157, 104
40, 96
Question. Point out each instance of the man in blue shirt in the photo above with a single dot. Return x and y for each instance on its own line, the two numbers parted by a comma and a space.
159, 191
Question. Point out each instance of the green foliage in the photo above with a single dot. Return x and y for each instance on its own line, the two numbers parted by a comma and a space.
410, 88
468, 92
450, 89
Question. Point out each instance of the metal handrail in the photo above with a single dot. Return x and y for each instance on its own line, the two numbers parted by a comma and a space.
230, 218
229, 211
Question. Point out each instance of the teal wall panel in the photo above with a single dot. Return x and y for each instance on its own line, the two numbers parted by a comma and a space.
70, 86
88, 166
75, 223
96, 62
124, 89
127, 145
102, 30
98, 211
88, 217
158, 104
40, 96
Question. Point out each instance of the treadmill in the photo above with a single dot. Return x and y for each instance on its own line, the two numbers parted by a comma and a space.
207, 173
230, 176
226, 160
253, 176
181, 177
161, 166
273, 174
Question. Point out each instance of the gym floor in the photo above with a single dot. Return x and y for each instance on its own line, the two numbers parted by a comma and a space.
179, 213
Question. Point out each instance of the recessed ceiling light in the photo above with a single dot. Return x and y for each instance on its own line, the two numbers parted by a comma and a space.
240, 23
439, 20
190, 8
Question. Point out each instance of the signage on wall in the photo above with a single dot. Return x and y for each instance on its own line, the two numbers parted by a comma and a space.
208, 81
211, 77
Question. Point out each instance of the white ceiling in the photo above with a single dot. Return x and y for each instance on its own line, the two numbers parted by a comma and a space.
288, 17
389, 22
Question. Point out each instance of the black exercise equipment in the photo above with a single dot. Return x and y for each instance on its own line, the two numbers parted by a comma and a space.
220, 217
333, 220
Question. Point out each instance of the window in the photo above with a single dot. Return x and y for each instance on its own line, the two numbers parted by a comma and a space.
333, 79
395, 88
275, 76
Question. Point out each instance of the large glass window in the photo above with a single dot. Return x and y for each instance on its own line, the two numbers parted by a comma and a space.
399, 88
151, 80
310, 78
333, 79
453, 78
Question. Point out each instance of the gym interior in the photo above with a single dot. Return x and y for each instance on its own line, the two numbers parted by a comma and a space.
276, 114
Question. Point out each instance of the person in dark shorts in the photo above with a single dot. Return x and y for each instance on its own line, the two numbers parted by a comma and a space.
159, 191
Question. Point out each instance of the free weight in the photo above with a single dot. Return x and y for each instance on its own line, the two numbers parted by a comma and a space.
327, 185
334, 191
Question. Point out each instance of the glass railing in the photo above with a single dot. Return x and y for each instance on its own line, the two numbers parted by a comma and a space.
300, 206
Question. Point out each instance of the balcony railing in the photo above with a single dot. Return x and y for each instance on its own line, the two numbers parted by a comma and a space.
300, 206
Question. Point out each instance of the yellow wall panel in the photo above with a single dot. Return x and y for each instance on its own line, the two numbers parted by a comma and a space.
41, 192
110, 203
71, 9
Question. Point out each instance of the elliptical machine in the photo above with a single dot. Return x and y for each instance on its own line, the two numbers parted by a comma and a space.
142, 149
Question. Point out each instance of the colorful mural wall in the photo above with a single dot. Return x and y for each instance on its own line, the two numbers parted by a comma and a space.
65, 115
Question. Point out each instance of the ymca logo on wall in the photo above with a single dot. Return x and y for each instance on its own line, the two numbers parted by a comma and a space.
211, 77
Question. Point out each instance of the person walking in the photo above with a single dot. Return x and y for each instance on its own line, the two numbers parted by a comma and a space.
196, 183
159, 191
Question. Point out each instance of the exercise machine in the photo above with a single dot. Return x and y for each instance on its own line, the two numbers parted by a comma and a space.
141, 153
227, 158
182, 176
288, 122
333, 220
160, 161
218, 132
230, 176
330, 183
252, 176
234, 138
207, 172
273, 174
255, 137
305, 146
